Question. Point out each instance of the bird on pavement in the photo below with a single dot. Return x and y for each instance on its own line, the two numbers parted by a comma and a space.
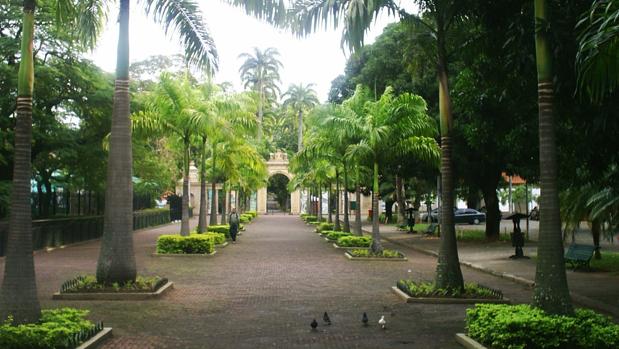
382, 322
365, 319
326, 318
314, 324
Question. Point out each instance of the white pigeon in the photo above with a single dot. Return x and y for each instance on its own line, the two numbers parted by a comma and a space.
382, 322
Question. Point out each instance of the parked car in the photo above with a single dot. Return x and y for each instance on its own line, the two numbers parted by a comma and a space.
461, 215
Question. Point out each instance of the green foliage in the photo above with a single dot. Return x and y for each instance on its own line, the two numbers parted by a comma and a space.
218, 238
354, 241
192, 244
54, 330
609, 262
522, 326
383, 218
89, 283
475, 235
429, 289
322, 227
369, 254
254, 214
335, 235
310, 219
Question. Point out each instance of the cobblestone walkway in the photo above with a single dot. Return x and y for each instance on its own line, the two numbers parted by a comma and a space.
264, 291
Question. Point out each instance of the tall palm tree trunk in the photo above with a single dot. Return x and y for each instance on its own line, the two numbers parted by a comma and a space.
377, 246
260, 112
399, 193
346, 217
300, 132
330, 204
358, 228
116, 259
224, 210
448, 272
18, 295
551, 290
309, 201
202, 224
185, 202
337, 226
214, 197
319, 203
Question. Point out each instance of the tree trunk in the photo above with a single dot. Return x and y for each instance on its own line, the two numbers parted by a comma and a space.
309, 202
185, 202
551, 292
493, 213
202, 224
337, 226
330, 204
346, 204
117, 260
260, 112
224, 210
448, 272
319, 203
214, 196
377, 247
300, 132
596, 228
358, 227
18, 295
399, 194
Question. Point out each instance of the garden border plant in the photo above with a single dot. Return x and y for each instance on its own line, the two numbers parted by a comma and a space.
86, 288
202, 245
353, 242
365, 254
425, 292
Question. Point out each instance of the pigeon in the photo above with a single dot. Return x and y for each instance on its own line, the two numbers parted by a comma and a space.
382, 322
364, 319
325, 317
314, 324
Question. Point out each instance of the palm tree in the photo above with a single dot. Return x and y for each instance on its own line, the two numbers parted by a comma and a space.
18, 295
300, 98
170, 110
116, 259
397, 124
260, 73
551, 291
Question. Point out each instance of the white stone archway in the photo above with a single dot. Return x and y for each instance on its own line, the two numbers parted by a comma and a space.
278, 164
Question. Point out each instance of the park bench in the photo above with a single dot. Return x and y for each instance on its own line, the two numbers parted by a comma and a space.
579, 255
431, 229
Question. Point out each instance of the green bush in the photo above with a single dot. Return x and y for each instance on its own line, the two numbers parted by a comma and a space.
253, 214
428, 289
310, 219
522, 326
334, 235
362, 252
57, 326
354, 241
222, 229
88, 283
218, 238
192, 244
324, 226
245, 218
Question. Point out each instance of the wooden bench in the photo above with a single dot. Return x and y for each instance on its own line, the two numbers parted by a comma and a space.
431, 229
579, 255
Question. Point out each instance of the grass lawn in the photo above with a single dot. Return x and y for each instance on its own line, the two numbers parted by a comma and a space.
477, 235
609, 262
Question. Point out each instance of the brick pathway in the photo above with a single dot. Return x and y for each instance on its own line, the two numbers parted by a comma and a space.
264, 291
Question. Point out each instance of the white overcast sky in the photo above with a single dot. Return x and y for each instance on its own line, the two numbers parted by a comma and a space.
316, 59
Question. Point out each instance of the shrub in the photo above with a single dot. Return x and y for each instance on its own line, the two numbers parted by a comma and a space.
218, 238
522, 326
245, 218
428, 289
334, 235
55, 330
310, 219
354, 241
362, 252
324, 226
253, 214
88, 283
223, 229
196, 243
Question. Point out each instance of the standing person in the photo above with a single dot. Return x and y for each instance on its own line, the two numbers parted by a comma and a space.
234, 224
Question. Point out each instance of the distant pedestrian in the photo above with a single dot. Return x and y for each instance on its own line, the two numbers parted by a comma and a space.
234, 224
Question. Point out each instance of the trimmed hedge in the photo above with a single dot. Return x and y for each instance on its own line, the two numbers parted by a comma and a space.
354, 241
55, 330
245, 218
310, 218
335, 235
254, 214
218, 238
324, 226
522, 326
192, 244
223, 229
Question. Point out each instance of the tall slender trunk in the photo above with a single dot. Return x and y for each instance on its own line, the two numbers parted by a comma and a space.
214, 196
308, 209
18, 295
202, 224
493, 213
346, 204
116, 259
596, 227
185, 203
319, 202
300, 132
330, 203
260, 111
399, 194
377, 246
237, 200
448, 272
224, 210
551, 291
358, 228
337, 226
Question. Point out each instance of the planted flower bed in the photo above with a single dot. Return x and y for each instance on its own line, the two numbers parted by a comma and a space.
523, 326
364, 254
352, 241
87, 288
335, 235
426, 292
58, 328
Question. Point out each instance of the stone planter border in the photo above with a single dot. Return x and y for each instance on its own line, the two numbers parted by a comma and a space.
222, 245
468, 342
116, 296
348, 247
349, 256
93, 342
438, 300
199, 255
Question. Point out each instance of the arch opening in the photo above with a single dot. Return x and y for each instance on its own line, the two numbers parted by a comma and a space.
278, 197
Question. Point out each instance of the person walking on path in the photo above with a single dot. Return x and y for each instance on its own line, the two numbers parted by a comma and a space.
234, 224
